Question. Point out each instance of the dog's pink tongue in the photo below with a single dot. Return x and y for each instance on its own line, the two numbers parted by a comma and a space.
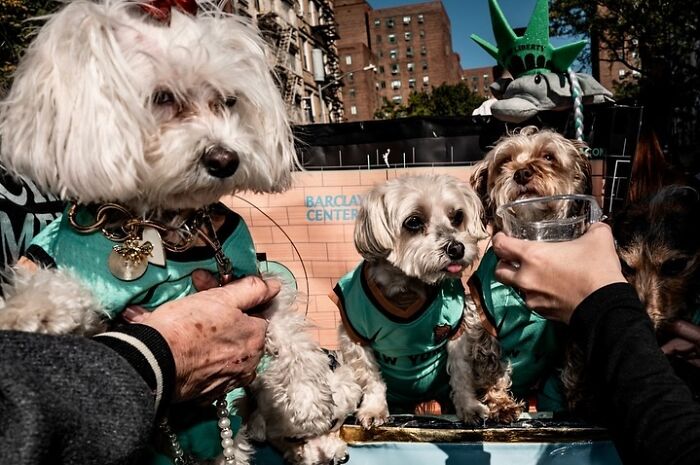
455, 268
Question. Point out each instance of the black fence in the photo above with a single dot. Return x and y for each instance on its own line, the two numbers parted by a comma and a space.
611, 131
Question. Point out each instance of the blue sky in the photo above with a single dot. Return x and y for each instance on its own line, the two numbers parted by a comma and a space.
472, 17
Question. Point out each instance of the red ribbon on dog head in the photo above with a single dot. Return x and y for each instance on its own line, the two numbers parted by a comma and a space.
160, 10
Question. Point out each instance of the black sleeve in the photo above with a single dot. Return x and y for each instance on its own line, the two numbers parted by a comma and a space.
650, 412
70, 400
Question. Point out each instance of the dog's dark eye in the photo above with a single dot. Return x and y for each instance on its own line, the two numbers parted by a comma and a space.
548, 156
163, 97
224, 103
230, 101
673, 267
413, 223
457, 218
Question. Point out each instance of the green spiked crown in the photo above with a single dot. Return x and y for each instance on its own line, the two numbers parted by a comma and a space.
532, 53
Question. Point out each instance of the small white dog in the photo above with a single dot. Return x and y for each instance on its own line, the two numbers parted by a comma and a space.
143, 117
410, 333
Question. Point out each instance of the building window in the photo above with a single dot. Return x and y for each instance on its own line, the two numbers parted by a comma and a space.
420, 18
353, 110
390, 22
426, 80
407, 20
392, 38
421, 33
351, 77
381, 69
351, 92
407, 35
377, 22
394, 54
410, 67
412, 83
396, 84
379, 39
397, 98
382, 84
409, 51
425, 65
621, 74
395, 68
423, 50
348, 59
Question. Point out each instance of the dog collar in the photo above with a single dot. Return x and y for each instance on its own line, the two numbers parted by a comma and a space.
141, 241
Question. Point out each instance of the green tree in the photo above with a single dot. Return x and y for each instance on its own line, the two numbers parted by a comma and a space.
16, 32
444, 100
664, 38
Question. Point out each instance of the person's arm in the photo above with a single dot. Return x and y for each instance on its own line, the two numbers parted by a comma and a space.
649, 411
76, 400
67, 399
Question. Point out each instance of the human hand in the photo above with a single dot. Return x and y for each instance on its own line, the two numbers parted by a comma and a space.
686, 344
555, 277
215, 344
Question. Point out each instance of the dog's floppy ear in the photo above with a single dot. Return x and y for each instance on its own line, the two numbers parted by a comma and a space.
73, 121
373, 237
584, 176
474, 212
479, 181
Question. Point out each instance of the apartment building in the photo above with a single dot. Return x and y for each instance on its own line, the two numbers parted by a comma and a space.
479, 79
302, 34
390, 52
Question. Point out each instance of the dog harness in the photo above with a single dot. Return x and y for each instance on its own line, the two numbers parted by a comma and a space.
409, 344
532, 344
60, 245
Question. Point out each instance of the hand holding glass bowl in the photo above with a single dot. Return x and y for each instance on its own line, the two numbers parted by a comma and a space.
550, 219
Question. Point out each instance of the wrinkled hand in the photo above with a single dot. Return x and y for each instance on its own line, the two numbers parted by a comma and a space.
555, 277
686, 344
215, 344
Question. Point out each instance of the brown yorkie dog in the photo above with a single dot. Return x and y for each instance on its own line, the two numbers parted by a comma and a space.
658, 241
530, 163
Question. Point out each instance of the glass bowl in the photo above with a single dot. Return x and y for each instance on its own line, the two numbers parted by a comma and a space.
553, 218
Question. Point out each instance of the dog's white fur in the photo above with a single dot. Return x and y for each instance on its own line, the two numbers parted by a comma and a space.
109, 105
404, 264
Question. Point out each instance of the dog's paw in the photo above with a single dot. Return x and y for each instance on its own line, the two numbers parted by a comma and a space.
505, 412
472, 412
372, 414
322, 450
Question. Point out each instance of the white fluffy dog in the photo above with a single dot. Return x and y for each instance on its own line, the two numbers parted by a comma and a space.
143, 121
412, 336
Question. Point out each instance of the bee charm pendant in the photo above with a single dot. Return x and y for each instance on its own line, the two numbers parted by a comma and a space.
129, 261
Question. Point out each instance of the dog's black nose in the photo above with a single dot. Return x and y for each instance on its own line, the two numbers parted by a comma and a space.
523, 176
343, 459
455, 250
220, 162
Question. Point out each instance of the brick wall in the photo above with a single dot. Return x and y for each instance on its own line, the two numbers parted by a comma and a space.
316, 241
